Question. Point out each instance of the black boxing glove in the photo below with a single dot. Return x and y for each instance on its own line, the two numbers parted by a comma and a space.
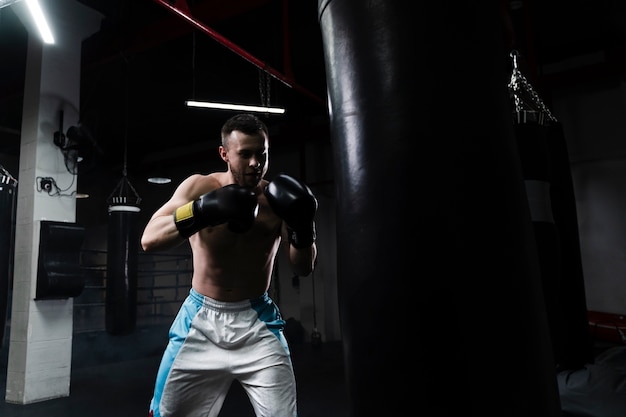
294, 202
232, 203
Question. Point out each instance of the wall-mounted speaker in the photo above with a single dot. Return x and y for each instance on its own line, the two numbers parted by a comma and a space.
59, 274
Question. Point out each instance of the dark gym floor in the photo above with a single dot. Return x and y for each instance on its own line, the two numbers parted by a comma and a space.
103, 385
124, 389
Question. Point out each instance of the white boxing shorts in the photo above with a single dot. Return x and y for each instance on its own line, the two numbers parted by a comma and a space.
213, 343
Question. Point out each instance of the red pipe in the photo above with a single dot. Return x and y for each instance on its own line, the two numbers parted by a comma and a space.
180, 8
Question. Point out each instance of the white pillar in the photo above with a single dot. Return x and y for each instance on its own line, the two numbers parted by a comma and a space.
40, 343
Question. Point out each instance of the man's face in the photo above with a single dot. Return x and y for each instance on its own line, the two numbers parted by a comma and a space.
247, 157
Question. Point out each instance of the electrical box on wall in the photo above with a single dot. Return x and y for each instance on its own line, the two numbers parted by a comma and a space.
59, 274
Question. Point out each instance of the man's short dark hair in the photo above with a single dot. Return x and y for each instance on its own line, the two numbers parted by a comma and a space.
246, 123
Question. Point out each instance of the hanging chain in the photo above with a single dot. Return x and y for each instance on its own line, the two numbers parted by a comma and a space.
6, 176
313, 291
193, 65
519, 85
121, 194
264, 87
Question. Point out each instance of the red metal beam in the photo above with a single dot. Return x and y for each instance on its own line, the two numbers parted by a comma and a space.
180, 8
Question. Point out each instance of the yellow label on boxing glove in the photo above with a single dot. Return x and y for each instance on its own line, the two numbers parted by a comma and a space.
184, 212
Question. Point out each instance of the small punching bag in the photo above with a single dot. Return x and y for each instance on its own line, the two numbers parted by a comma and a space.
534, 154
123, 243
8, 189
575, 335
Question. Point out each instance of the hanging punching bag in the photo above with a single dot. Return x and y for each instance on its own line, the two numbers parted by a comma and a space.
576, 341
8, 188
437, 269
121, 283
547, 174
532, 143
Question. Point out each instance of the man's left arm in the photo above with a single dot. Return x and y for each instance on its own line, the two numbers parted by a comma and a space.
302, 260
294, 202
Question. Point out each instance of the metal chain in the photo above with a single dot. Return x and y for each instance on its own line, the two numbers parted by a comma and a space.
264, 87
6, 176
121, 194
519, 84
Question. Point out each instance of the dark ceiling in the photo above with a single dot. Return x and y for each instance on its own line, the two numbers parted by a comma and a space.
146, 60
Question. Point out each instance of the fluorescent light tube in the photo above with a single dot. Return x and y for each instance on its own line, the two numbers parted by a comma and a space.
5, 3
40, 21
226, 106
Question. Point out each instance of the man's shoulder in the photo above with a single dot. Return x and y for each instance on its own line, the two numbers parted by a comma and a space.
197, 184
213, 177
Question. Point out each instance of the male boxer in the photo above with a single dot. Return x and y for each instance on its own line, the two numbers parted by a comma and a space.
228, 328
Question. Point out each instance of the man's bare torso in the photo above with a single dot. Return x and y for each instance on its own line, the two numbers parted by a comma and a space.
231, 266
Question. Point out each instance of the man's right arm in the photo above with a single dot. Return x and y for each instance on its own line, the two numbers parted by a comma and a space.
232, 204
184, 214
161, 232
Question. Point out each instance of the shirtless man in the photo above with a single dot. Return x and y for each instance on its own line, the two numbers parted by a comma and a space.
228, 328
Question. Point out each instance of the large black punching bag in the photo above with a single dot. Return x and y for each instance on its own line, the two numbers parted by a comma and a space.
122, 252
440, 297
8, 192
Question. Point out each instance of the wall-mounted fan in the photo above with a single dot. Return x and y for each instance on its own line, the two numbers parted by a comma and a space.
76, 144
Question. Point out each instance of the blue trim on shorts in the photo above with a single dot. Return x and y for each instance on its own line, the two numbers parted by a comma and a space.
177, 334
269, 314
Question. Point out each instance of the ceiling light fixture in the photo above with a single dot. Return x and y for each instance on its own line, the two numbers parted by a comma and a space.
263, 88
5, 3
40, 21
37, 15
226, 106
159, 180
